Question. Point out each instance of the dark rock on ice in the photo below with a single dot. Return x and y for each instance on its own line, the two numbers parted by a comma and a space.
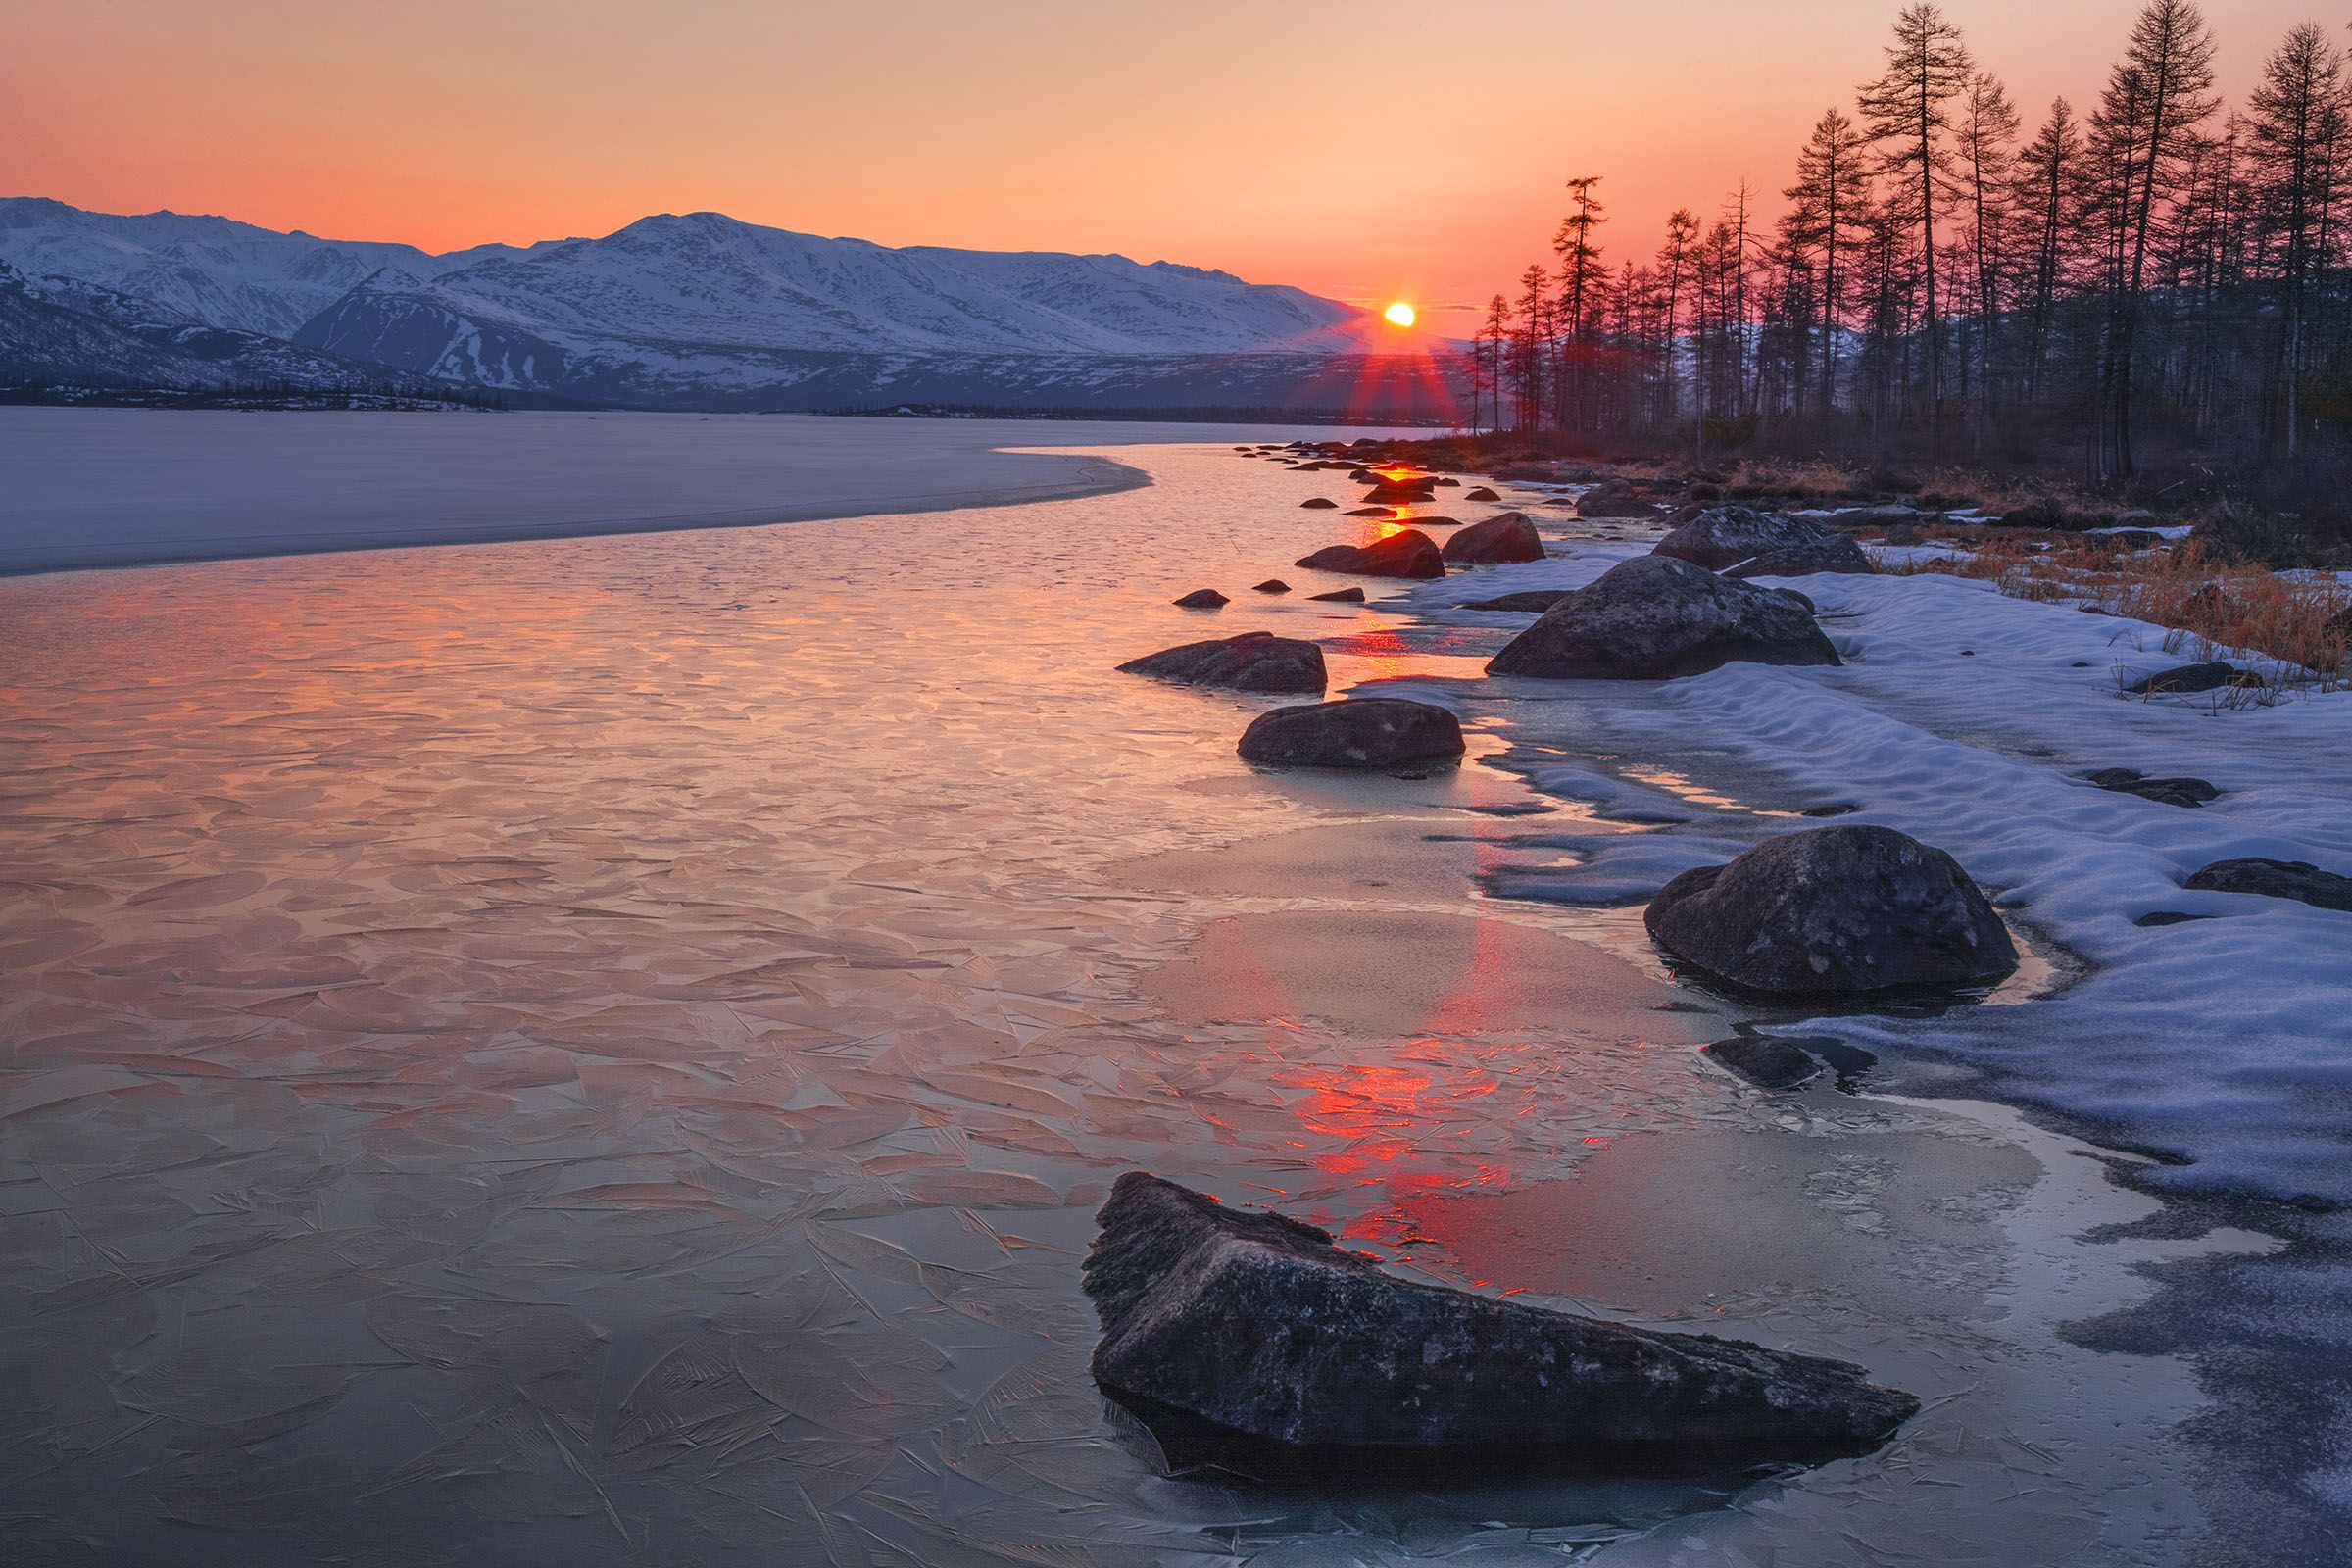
1845, 910
1505, 537
1353, 732
2299, 880
1410, 553
1255, 662
2162, 917
1761, 544
1764, 1061
1245, 1336
1656, 618
1203, 599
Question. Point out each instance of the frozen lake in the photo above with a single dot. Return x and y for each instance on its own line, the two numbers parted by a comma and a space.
607, 1050
104, 487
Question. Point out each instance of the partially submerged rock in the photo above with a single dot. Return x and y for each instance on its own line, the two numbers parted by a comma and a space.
1203, 599
1241, 1334
1613, 498
1343, 596
1834, 911
2185, 791
1654, 618
1505, 537
2299, 880
1480, 492
2204, 677
1410, 553
1353, 732
1318, 504
1761, 544
1272, 585
1255, 662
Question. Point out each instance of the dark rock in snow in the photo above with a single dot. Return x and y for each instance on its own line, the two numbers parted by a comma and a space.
1654, 618
1203, 599
2161, 917
2188, 792
2299, 880
1834, 911
1480, 492
1242, 1334
1410, 553
1353, 732
1506, 537
1272, 585
1318, 504
2186, 678
1343, 596
1255, 662
1763, 1061
1533, 600
1761, 544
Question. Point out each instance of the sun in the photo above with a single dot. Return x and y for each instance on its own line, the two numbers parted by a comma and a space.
1400, 313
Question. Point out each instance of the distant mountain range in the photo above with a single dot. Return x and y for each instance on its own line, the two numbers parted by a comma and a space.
690, 311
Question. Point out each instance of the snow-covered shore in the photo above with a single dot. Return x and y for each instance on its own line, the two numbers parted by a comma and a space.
1964, 717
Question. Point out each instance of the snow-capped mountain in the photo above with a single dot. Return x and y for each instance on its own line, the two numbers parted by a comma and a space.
701, 310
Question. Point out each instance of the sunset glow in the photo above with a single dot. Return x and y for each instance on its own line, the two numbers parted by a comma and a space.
1400, 313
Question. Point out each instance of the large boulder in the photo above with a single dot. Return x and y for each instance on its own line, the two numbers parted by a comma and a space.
1353, 732
1834, 911
1504, 537
1244, 1334
1761, 544
1654, 618
1613, 498
1409, 553
2276, 879
1255, 662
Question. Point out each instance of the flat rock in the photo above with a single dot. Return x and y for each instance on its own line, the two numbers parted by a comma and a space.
1505, 537
1340, 596
1203, 599
1528, 600
1353, 732
2185, 791
1656, 618
2186, 678
1409, 553
1233, 1332
1834, 911
1255, 662
1761, 544
1371, 511
2299, 880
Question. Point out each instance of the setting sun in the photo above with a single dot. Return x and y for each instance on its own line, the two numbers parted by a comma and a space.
1400, 313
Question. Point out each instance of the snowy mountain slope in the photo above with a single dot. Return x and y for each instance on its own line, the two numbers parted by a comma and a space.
214, 271
64, 331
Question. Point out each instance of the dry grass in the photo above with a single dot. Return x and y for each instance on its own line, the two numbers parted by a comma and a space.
2289, 629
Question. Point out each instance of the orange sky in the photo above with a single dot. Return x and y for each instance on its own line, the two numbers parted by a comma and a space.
1365, 149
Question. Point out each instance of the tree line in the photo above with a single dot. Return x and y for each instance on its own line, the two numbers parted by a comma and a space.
2159, 272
